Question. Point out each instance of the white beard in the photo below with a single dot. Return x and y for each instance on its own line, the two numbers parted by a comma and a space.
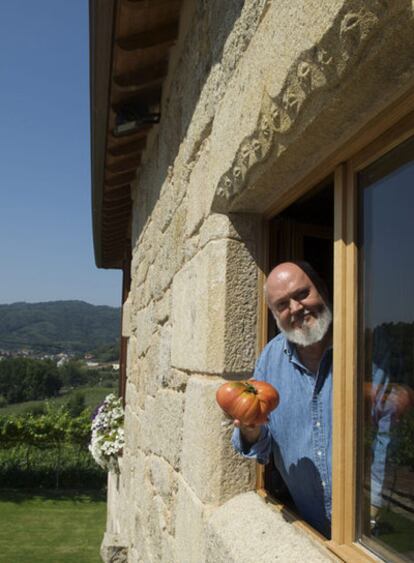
309, 334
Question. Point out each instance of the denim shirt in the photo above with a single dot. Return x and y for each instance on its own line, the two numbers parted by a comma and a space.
299, 431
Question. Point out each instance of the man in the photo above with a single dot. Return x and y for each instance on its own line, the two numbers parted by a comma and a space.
298, 363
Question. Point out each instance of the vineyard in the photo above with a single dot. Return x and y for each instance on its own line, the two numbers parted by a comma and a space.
49, 450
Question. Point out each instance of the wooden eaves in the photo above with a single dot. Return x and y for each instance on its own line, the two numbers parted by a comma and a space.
129, 47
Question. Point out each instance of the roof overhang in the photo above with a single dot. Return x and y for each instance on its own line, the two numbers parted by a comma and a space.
129, 47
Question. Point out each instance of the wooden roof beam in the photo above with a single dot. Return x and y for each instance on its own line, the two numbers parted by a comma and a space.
142, 76
119, 240
128, 148
116, 243
166, 34
116, 213
124, 165
116, 201
115, 195
144, 3
119, 180
115, 234
113, 259
112, 189
148, 96
112, 236
124, 202
121, 219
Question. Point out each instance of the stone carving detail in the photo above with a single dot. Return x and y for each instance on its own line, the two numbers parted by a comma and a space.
324, 57
350, 33
245, 151
315, 72
276, 118
265, 128
305, 75
292, 103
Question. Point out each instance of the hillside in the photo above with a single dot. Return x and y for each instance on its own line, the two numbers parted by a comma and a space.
56, 326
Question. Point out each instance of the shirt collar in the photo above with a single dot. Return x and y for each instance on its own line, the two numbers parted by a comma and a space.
290, 350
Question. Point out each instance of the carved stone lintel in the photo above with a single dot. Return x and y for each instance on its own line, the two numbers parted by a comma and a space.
305, 75
315, 72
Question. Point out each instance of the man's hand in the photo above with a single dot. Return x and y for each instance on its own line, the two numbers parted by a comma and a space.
250, 434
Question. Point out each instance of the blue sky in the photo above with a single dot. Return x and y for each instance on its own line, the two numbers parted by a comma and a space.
389, 268
46, 248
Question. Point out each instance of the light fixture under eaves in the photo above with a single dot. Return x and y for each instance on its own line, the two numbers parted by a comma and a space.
133, 117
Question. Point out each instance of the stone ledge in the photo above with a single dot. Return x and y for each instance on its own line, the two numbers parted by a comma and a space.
247, 530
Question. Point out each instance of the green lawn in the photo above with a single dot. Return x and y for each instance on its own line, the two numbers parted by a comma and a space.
51, 527
93, 396
397, 532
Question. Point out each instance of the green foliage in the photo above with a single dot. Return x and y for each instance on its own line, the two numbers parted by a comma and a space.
73, 374
24, 379
102, 377
58, 326
402, 439
93, 396
76, 404
37, 469
47, 430
79, 430
106, 353
48, 450
398, 532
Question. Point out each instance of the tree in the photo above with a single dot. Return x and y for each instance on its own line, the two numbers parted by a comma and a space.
76, 404
25, 379
73, 374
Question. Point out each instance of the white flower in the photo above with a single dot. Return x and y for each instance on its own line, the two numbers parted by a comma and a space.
107, 439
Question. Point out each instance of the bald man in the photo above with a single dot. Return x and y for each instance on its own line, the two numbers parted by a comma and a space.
298, 362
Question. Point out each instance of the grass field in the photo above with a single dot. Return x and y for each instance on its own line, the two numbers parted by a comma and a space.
50, 527
93, 396
397, 532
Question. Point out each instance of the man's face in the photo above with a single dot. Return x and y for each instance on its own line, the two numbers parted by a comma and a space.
299, 310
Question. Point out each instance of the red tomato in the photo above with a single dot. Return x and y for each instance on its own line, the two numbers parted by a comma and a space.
248, 401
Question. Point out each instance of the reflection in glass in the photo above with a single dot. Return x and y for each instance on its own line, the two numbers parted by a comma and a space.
386, 354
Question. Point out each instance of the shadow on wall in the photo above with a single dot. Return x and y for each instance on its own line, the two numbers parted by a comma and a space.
205, 31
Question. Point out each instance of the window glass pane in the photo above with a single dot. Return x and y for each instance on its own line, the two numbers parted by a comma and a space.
386, 354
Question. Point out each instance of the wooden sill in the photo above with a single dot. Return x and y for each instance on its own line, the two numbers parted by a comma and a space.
353, 553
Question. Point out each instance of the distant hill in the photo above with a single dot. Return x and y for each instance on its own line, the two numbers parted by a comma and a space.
57, 326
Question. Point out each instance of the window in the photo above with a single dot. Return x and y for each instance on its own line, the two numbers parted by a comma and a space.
303, 231
369, 227
386, 353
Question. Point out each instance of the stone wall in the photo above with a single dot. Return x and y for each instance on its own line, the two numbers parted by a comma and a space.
251, 103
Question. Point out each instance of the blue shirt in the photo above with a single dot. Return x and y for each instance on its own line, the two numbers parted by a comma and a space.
299, 431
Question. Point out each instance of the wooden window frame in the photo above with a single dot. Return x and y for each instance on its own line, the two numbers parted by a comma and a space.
389, 129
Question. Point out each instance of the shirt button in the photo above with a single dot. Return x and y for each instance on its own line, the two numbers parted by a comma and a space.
323, 484
319, 453
317, 424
